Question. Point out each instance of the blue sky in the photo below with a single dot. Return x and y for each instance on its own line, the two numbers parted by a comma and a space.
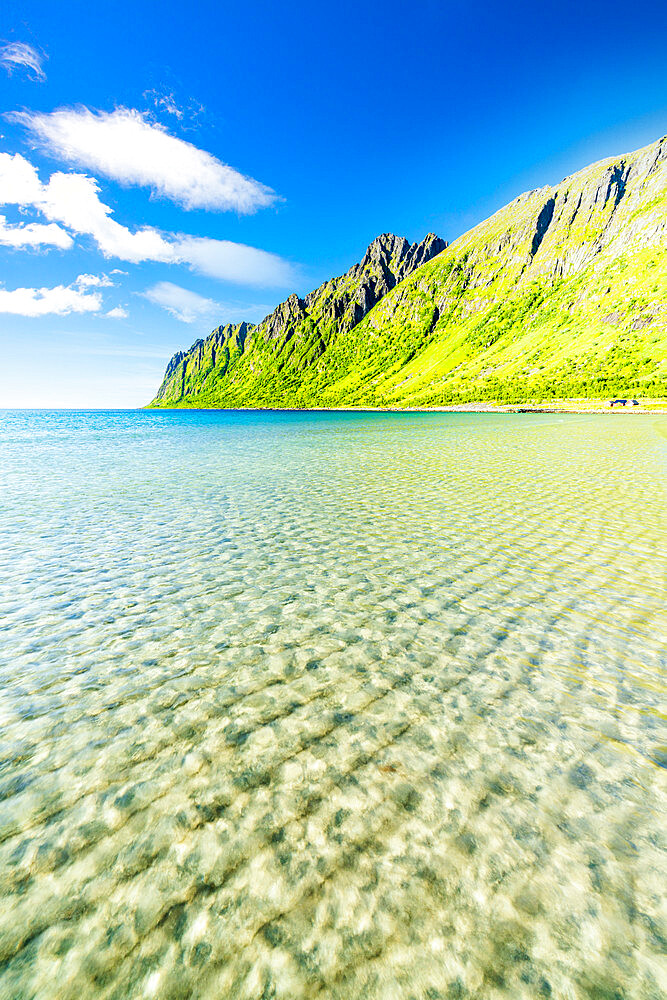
167, 167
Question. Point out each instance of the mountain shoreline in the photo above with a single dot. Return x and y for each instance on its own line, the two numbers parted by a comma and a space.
591, 406
561, 294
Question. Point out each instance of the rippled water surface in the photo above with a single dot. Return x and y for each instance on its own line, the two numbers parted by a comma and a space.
332, 705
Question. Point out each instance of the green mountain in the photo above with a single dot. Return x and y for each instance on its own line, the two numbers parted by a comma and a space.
562, 293
264, 365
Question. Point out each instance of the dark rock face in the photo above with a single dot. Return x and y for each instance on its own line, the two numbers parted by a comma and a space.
388, 260
281, 323
543, 222
298, 328
345, 301
174, 365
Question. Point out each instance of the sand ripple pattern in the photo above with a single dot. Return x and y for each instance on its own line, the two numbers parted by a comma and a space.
332, 705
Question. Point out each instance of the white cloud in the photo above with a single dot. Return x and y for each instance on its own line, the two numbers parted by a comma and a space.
234, 262
118, 312
73, 200
95, 280
58, 301
19, 181
126, 146
181, 302
20, 54
33, 234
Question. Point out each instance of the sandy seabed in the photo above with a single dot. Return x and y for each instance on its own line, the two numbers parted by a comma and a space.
332, 705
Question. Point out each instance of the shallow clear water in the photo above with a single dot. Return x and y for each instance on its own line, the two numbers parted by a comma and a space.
332, 705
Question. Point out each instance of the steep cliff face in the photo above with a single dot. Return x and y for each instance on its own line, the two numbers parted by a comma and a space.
269, 357
563, 292
191, 371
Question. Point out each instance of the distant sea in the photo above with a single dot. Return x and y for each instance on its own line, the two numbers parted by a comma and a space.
334, 705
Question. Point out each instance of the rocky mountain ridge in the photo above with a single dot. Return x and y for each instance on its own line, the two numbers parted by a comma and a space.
300, 327
561, 293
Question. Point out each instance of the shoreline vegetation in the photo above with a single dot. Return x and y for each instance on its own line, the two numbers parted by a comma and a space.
597, 406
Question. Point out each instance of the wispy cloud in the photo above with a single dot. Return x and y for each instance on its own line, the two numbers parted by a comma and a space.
20, 55
73, 201
125, 146
58, 301
235, 262
33, 234
118, 312
95, 280
165, 102
181, 302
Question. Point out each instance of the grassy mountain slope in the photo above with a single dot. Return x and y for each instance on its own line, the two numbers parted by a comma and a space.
264, 364
561, 293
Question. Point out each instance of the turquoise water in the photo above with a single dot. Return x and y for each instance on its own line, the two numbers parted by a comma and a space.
332, 705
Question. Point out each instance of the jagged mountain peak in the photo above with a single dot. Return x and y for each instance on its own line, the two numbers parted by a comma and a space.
389, 246
387, 240
386, 244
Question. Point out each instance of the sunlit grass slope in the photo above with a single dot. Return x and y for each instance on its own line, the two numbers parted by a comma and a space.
562, 293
